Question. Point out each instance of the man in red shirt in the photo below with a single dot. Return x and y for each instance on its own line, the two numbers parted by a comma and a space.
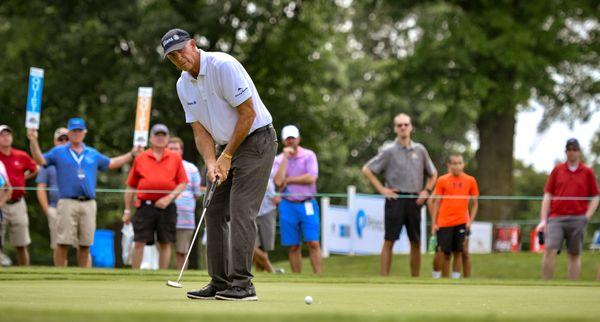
19, 167
159, 177
570, 200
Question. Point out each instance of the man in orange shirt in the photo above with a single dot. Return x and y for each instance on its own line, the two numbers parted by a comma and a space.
450, 218
159, 177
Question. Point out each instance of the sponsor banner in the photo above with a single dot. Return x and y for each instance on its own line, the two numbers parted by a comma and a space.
34, 98
480, 241
358, 229
142, 117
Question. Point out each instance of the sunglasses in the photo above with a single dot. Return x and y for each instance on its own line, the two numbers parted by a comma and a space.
402, 124
63, 138
572, 149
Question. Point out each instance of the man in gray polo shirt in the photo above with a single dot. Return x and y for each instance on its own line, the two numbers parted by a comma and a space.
224, 109
404, 164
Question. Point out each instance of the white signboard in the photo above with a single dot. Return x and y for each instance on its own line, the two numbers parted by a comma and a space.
480, 241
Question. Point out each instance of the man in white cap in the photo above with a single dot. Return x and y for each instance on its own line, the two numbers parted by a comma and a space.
296, 172
224, 109
47, 192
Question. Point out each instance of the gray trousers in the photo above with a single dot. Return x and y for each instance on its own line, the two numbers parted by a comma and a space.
237, 200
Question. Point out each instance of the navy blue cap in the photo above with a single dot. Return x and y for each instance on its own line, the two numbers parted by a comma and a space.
572, 142
76, 123
174, 39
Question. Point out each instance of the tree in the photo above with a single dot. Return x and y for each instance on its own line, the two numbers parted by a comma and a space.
486, 60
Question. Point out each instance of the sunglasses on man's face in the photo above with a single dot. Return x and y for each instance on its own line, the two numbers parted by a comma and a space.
572, 149
402, 124
63, 138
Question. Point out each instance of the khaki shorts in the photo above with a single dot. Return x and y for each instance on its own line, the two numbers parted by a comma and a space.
183, 240
76, 222
52, 225
265, 231
570, 229
16, 221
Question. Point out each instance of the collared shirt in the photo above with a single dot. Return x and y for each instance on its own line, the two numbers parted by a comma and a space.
162, 176
268, 203
47, 176
186, 201
17, 162
304, 162
222, 85
404, 168
70, 184
563, 182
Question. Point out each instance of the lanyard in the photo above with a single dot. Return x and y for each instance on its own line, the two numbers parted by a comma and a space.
77, 159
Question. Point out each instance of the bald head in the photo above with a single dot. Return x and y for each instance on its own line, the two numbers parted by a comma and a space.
402, 126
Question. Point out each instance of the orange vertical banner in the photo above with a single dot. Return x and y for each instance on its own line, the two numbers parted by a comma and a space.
142, 117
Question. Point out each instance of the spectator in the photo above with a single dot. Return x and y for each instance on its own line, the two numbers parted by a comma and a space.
19, 168
186, 205
296, 172
566, 219
404, 165
5, 192
265, 229
450, 216
159, 176
77, 168
47, 192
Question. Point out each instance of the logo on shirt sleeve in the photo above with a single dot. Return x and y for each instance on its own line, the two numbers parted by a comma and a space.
191, 103
240, 91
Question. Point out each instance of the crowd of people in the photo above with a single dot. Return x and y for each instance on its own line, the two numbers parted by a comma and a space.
233, 133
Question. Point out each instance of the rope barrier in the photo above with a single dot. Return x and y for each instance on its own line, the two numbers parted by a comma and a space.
343, 195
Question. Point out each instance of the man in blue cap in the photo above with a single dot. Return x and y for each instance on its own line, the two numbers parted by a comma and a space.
77, 167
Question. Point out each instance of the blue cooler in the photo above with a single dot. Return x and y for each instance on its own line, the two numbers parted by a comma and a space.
103, 249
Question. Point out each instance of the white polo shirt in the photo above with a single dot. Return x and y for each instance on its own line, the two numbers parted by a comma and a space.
221, 86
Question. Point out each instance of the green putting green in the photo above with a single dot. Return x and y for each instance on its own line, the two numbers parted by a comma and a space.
349, 291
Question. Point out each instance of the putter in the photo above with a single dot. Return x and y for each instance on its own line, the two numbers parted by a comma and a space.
209, 196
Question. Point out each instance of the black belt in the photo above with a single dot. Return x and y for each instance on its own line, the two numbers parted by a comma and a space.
261, 129
12, 202
81, 198
300, 201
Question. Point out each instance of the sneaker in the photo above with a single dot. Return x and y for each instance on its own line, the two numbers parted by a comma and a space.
5, 260
238, 293
206, 293
279, 271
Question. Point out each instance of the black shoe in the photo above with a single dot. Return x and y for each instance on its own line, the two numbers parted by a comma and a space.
238, 293
206, 293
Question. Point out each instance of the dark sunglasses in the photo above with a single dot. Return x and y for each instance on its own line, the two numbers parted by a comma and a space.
63, 138
572, 149
402, 124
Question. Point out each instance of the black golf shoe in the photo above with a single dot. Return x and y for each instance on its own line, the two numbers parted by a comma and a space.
206, 293
238, 293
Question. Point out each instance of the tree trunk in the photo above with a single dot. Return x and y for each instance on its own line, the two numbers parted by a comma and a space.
495, 161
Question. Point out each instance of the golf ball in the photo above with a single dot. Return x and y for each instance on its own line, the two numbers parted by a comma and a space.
308, 300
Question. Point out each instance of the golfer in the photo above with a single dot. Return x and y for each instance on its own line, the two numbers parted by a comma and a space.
404, 164
224, 109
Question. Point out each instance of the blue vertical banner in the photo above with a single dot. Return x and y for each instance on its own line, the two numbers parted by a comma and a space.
34, 98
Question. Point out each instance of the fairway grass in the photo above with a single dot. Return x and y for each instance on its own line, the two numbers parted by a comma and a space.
352, 294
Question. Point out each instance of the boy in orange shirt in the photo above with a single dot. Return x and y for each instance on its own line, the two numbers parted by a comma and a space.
450, 215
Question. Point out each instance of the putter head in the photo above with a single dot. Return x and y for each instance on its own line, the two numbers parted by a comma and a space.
174, 284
